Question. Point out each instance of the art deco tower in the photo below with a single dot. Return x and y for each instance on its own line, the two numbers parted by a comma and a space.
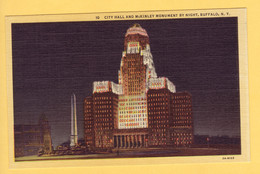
74, 131
136, 72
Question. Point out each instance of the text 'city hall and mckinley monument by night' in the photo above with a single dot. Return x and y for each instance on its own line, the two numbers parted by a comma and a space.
142, 110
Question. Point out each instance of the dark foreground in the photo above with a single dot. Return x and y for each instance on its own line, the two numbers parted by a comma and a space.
134, 153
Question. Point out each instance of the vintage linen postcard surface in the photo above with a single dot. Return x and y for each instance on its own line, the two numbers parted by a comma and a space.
152, 87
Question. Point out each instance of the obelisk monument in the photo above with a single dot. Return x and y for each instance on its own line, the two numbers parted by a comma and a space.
74, 131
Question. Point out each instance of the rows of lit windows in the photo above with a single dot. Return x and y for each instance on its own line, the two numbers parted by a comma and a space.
87, 113
182, 117
182, 106
134, 71
130, 106
104, 118
182, 138
158, 143
157, 126
181, 97
158, 99
134, 81
88, 127
133, 125
158, 131
157, 104
181, 101
160, 106
141, 124
87, 110
157, 95
182, 134
133, 99
132, 103
132, 115
104, 127
159, 117
158, 112
133, 111
158, 138
88, 121
102, 98
103, 111
88, 116
160, 134
159, 122
182, 122
182, 109
182, 114
87, 103
100, 124
102, 102
139, 109
102, 141
89, 137
132, 119
135, 76
183, 126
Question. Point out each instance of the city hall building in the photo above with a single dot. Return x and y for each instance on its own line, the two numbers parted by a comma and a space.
142, 110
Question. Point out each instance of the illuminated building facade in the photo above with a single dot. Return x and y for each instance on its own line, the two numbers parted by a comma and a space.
101, 116
89, 122
139, 111
181, 111
170, 118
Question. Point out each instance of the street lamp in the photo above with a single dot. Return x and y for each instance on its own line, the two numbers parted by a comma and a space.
208, 141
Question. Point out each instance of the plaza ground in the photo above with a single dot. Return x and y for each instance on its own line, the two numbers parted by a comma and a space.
135, 153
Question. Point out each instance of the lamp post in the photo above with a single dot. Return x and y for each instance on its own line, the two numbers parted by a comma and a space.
146, 142
208, 141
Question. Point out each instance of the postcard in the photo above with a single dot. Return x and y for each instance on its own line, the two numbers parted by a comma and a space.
149, 87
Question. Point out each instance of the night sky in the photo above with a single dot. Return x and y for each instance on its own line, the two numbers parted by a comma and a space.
53, 60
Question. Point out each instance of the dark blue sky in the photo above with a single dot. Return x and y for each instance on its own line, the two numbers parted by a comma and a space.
53, 60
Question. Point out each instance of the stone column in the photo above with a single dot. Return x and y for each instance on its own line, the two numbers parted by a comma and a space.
118, 141
128, 141
115, 141
139, 141
125, 141
135, 141
143, 140
121, 140
132, 141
